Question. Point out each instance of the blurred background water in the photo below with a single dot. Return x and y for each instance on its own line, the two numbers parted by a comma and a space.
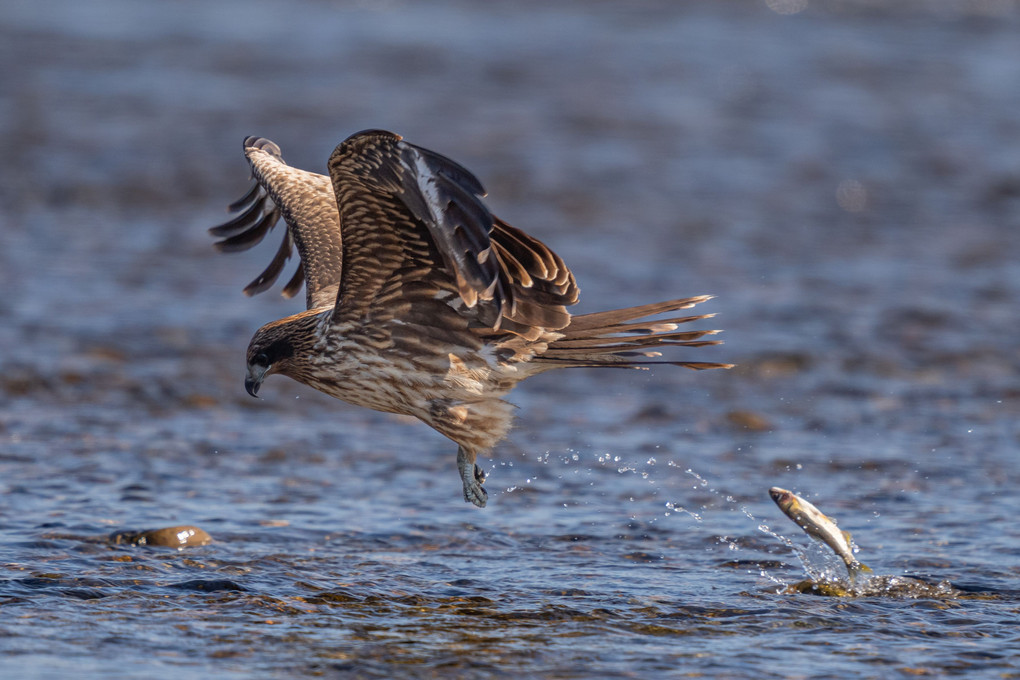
843, 175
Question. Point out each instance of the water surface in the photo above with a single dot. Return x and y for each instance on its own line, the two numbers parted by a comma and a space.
844, 178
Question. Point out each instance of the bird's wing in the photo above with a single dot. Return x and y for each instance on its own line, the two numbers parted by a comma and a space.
542, 284
305, 202
416, 232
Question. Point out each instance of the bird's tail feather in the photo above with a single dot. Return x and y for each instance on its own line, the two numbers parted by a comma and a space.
615, 339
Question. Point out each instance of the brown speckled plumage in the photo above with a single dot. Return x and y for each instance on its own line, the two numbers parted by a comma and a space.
419, 300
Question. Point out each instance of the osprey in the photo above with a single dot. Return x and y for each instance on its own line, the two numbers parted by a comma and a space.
419, 301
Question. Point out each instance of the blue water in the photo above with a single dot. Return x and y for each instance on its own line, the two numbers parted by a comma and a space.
844, 178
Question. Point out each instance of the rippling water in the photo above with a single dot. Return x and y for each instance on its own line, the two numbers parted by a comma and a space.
844, 176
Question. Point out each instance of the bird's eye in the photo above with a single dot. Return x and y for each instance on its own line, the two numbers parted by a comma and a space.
261, 359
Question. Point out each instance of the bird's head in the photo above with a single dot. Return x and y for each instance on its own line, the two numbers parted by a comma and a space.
266, 355
281, 347
264, 360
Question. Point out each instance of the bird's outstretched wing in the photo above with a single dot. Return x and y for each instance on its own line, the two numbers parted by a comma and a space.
305, 202
415, 231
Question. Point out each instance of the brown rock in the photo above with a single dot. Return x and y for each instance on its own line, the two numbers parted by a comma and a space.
184, 536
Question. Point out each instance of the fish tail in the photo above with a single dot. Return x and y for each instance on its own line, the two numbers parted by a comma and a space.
858, 568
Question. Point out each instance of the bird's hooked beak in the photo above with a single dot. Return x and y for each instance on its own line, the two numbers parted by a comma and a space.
253, 381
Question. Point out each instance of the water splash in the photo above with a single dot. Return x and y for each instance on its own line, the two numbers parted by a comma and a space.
673, 507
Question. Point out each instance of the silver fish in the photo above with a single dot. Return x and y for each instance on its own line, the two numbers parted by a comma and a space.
818, 526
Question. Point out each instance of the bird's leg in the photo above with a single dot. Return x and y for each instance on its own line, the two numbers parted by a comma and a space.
472, 476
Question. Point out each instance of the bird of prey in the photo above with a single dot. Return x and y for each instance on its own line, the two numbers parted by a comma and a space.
419, 301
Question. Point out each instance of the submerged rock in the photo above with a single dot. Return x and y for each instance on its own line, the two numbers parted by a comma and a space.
184, 536
877, 586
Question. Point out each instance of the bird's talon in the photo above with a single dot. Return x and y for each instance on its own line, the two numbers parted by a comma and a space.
472, 477
476, 494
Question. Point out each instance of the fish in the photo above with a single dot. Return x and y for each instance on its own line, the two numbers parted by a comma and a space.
819, 527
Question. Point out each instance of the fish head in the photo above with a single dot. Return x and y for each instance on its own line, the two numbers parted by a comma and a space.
784, 499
